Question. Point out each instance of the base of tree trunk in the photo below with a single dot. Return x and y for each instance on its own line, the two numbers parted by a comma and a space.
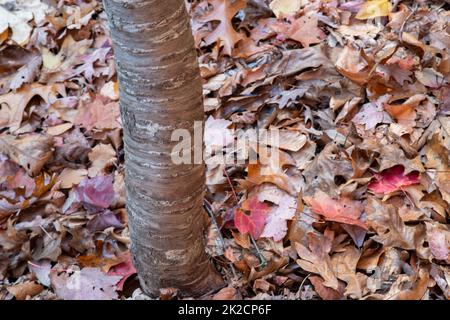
210, 282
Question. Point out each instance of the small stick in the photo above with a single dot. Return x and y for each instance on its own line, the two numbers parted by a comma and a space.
262, 259
208, 208
303, 282
48, 234
231, 185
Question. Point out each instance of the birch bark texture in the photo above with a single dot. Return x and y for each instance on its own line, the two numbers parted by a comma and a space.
160, 91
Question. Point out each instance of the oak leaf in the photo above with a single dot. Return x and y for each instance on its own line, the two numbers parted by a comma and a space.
225, 34
315, 258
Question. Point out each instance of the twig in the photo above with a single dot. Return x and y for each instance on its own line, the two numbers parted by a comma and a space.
262, 259
231, 185
208, 209
303, 282
48, 234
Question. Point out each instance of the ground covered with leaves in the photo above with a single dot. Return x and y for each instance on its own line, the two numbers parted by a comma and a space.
356, 208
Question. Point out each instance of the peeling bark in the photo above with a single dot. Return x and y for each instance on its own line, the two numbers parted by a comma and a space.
160, 90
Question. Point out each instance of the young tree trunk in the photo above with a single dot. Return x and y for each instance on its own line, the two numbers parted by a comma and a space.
160, 91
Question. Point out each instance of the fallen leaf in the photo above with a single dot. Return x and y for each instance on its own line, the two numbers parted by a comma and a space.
251, 217
70, 177
324, 292
102, 157
276, 221
41, 271
315, 258
125, 270
31, 151
391, 230
224, 34
282, 8
343, 210
16, 102
96, 193
374, 9
438, 237
23, 290
85, 284
98, 115
393, 179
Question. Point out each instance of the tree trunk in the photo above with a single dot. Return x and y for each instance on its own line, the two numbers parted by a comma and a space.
160, 90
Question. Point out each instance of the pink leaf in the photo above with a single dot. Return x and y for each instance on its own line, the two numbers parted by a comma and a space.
96, 193
125, 269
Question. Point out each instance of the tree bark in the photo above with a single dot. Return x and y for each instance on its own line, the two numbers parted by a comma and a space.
160, 91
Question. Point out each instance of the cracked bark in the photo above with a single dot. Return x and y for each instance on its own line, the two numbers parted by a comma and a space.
160, 90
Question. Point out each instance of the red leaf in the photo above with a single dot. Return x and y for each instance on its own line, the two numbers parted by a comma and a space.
251, 217
343, 210
393, 179
125, 270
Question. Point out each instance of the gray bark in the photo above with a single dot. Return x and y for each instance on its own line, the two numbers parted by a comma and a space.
160, 90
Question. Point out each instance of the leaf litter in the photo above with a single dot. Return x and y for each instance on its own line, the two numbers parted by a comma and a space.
357, 208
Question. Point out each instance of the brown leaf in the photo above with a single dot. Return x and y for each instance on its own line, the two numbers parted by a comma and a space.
270, 170
315, 258
23, 290
225, 34
228, 293
324, 292
391, 230
344, 266
32, 151
321, 173
102, 157
98, 115
16, 102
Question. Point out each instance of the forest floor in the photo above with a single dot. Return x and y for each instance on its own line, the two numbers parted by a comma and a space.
356, 208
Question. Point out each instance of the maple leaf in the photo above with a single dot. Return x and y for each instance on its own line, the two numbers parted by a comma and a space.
125, 270
372, 113
85, 284
224, 11
393, 179
251, 217
276, 221
98, 115
374, 9
343, 210
96, 193
104, 220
